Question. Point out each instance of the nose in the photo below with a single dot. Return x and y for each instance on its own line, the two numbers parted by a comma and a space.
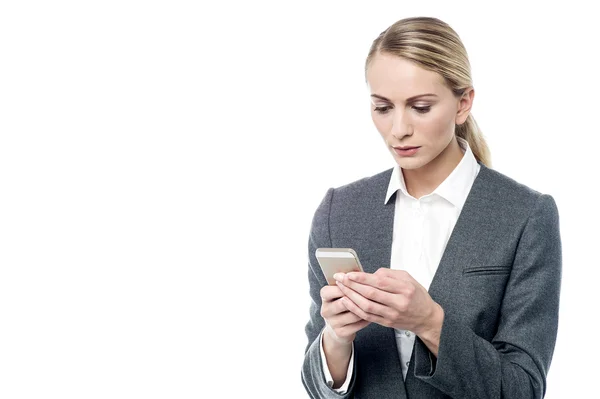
401, 126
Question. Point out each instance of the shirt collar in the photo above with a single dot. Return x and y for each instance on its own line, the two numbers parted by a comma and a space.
454, 188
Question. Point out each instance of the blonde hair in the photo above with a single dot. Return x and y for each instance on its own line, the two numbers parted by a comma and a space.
435, 46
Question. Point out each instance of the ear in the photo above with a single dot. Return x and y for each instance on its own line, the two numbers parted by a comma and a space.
464, 106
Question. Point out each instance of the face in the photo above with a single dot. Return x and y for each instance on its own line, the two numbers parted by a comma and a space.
412, 107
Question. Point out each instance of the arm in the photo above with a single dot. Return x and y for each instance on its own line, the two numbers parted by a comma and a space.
515, 363
313, 377
346, 374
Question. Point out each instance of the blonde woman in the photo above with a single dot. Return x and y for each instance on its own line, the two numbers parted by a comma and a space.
462, 265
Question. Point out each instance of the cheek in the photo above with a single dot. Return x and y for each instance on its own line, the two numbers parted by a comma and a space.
382, 122
436, 125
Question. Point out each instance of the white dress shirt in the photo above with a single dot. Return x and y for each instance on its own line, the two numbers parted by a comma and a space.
422, 228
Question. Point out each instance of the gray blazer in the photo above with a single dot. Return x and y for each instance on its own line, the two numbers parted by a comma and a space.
498, 281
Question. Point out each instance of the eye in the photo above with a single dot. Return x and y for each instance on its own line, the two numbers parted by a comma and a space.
422, 110
382, 110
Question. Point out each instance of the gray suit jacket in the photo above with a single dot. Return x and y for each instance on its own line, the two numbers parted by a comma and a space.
498, 282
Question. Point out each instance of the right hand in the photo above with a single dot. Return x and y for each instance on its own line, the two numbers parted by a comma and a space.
341, 324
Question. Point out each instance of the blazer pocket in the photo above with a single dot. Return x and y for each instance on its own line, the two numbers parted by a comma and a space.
486, 270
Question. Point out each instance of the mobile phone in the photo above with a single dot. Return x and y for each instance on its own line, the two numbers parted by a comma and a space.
337, 260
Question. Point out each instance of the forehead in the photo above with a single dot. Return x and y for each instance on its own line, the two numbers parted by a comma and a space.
397, 78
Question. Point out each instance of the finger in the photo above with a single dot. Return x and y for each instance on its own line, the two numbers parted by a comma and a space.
395, 274
353, 328
407, 285
367, 291
330, 309
379, 281
370, 317
330, 293
367, 305
343, 319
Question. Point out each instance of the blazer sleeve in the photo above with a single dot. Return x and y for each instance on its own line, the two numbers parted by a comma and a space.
515, 363
312, 368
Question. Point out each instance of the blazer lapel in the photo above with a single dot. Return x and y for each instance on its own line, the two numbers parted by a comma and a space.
463, 247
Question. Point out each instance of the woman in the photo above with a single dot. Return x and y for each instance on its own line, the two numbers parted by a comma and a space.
462, 265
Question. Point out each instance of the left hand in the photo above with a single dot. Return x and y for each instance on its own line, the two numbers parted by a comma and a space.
391, 298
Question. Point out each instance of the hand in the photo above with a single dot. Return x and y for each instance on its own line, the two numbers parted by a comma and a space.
341, 324
392, 298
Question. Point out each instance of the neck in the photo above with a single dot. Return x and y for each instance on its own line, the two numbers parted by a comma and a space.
423, 181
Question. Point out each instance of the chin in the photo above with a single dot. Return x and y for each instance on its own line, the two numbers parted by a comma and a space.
411, 163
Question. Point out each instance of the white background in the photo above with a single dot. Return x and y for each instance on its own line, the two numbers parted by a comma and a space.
160, 163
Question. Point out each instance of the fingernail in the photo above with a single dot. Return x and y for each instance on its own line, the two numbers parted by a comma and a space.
339, 276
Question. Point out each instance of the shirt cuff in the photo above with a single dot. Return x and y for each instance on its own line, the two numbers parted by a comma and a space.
344, 388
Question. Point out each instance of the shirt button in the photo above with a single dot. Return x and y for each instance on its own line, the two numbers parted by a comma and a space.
407, 363
407, 333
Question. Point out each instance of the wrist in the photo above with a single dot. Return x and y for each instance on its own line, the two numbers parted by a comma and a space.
432, 326
335, 351
337, 357
431, 334
333, 340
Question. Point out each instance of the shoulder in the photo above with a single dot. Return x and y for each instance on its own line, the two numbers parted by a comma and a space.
352, 197
513, 195
506, 184
372, 187
367, 181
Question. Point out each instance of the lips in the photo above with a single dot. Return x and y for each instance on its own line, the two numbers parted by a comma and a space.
406, 151
405, 148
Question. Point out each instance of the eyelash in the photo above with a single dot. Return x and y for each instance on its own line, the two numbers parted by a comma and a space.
384, 110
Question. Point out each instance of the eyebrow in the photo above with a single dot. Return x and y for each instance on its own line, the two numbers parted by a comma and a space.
408, 99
